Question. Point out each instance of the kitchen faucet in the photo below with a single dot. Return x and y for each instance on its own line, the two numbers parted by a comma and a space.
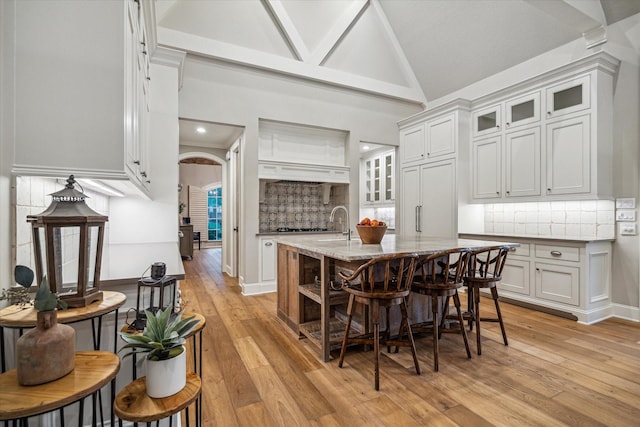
346, 211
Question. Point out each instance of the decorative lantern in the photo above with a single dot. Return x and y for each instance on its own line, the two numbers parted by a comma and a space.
67, 243
154, 293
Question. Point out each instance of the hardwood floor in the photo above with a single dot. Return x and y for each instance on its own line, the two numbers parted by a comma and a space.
554, 371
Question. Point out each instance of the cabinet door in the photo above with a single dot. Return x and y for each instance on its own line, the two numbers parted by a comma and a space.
522, 111
267, 260
441, 136
486, 121
568, 97
522, 163
558, 283
412, 144
568, 156
486, 173
438, 213
409, 201
388, 174
516, 276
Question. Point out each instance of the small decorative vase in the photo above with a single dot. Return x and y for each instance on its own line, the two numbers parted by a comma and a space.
166, 377
46, 352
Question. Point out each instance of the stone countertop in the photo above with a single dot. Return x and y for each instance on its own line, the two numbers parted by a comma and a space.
353, 250
126, 263
536, 237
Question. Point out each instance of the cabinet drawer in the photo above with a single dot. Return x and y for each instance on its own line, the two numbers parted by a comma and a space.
564, 253
522, 250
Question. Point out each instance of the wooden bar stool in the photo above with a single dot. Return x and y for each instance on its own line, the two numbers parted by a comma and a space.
441, 275
382, 282
485, 271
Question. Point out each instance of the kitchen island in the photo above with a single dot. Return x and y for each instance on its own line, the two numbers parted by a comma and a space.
310, 300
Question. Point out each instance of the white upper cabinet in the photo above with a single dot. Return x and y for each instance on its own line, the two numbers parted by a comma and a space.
91, 109
378, 179
568, 96
565, 153
523, 110
486, 120
432, 139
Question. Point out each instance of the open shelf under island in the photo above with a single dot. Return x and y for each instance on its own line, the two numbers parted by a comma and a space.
309, 299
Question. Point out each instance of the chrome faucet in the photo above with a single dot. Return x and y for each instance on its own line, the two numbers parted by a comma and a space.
346, 211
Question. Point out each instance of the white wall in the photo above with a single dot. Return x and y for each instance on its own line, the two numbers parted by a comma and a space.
234, 95
624, 44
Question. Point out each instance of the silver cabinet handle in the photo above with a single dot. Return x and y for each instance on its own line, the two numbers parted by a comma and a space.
417, 210
420, 218
556, 253
268, 244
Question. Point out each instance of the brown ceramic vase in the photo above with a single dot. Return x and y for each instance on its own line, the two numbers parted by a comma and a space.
46, 352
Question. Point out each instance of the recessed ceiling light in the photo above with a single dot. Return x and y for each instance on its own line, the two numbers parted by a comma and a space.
200, 129
365, 147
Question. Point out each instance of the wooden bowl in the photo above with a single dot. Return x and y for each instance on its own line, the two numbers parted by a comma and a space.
371, 235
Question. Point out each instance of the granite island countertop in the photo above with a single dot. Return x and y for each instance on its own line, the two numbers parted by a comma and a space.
354, 249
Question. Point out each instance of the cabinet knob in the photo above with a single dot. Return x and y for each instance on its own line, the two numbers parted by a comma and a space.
497, 126
537, 269
549, 190
148, 181
508, 192
268, 244
508, 124
143, 174
136, 162
556, 253
498, 193
149, 78
548, 113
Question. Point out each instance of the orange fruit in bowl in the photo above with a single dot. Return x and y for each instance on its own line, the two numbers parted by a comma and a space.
365, 221
375, 223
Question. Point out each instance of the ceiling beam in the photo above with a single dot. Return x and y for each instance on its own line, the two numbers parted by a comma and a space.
261, 60
287, 28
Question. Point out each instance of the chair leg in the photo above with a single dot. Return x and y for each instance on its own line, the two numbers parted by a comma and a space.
434, 310
345, 339
387, 333
494, 293
456, 301
476, 314
470, 306
405, 322
376, 341
445, 312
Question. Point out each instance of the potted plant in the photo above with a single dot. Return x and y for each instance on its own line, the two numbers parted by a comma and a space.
162, 343
46, 352
19, 295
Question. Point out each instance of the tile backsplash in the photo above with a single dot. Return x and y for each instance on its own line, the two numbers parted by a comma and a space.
294, 204
579, 219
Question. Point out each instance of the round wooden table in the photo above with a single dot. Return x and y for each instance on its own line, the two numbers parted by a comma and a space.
133, 403
93, 370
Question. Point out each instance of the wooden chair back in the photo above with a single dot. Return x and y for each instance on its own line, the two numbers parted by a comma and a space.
444, 267
382, 275
488, 263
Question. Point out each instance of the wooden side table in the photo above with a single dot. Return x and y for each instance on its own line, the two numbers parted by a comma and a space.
93, 370
133, 403
196, 336
16, 317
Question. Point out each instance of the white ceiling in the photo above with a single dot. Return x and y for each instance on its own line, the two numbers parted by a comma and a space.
216, 135
414, 50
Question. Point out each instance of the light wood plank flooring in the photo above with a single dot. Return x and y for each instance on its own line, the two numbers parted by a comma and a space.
554, 371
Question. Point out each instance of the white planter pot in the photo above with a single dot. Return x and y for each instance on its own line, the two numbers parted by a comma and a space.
166, 377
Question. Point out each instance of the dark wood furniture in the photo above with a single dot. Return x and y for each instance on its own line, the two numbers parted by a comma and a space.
380, 283
485, 271
133, 403
186, 241
441, 275
93, 370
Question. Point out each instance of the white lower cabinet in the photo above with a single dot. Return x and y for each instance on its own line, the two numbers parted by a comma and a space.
569, 276
268, 259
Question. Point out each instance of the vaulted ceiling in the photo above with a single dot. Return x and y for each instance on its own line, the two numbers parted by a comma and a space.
414, 50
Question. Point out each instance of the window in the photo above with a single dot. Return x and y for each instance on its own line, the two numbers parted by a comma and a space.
214, 214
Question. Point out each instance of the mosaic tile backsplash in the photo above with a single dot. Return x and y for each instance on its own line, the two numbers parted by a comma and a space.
295, 205
581, 219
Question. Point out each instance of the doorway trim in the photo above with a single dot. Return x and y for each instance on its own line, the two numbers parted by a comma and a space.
228, 261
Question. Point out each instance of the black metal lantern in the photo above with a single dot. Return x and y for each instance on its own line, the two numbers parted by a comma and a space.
154, 293
67, 244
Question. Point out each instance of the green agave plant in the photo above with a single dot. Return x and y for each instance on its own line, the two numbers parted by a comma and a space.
162, 338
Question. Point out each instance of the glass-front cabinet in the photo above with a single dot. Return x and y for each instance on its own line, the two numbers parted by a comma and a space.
523, 110
568, 97
378, 179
